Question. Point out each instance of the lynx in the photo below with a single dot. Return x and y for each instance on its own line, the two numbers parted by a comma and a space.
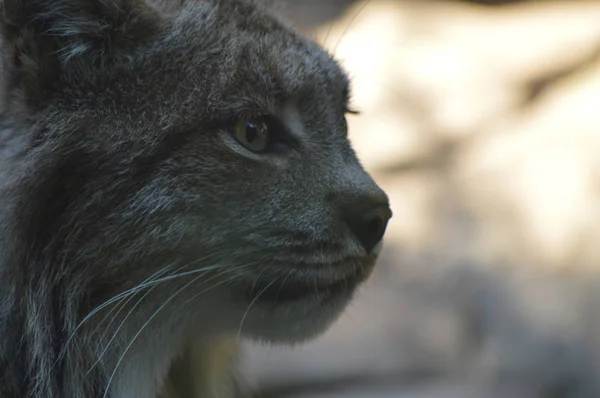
173, 177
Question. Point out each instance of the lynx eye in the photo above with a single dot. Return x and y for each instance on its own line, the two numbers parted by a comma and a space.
255, 135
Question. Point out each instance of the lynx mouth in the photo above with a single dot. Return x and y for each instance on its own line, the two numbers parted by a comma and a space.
285, 291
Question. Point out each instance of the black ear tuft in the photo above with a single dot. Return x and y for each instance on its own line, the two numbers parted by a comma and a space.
46, 39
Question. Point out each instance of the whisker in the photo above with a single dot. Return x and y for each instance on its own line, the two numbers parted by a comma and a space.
150, 281
131, 310
289, 273
257, 278
324, 42
317, 285
218, 275
347, 29
129, 298
142, 329
105, 350
150, 320
250, 306
99, 308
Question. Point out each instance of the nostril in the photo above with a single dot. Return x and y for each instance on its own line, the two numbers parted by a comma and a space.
370, 226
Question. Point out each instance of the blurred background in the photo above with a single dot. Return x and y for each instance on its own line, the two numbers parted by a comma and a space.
482, 122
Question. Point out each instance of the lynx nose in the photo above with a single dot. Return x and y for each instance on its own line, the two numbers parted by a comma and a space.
368, 221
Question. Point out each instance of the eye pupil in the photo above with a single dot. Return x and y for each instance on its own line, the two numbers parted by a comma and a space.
251, 132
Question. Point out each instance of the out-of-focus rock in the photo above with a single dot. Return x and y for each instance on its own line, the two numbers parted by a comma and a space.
534, 179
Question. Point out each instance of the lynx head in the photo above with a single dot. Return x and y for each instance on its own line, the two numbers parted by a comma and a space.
196, 155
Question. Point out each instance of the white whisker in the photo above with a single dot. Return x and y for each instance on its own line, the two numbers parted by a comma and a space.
135, 337
289, 273
131, 310
257, 278
99, 308
129, 293
129, 298
250, 306
218, 275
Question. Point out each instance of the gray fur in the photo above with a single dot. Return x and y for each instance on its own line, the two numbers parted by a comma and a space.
116, 161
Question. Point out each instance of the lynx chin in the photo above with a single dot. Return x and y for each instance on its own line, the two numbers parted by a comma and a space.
173, 175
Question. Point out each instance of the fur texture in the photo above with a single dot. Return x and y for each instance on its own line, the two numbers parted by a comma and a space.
133, 225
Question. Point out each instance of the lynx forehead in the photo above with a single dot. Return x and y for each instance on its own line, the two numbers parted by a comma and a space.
171, 175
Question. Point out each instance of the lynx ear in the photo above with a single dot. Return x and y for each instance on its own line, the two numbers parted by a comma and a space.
50, 40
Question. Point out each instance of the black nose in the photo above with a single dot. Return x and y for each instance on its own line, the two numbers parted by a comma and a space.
368, 221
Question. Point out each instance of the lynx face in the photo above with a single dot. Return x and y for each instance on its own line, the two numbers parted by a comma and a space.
197, 157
